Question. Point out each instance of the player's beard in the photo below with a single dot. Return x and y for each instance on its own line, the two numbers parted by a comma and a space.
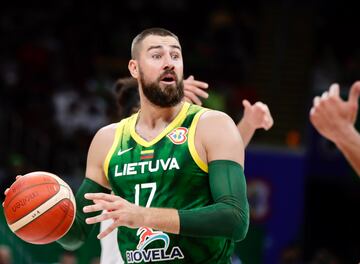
166, 96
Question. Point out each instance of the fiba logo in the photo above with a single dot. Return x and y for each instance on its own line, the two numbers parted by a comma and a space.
178, 135
146, 237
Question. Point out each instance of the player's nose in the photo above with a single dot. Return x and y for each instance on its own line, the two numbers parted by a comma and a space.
168, 63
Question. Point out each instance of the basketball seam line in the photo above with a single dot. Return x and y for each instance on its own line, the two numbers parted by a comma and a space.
60, 222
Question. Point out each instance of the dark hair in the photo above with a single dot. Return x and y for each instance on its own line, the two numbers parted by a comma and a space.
127, 96
147, 32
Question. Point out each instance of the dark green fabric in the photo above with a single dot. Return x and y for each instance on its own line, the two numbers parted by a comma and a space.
80, 230
229, 215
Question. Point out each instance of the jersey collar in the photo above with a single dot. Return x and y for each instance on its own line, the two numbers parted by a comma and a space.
177, 121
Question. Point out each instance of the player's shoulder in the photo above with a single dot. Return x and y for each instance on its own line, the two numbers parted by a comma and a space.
107, 130
215, 117
105, 135
215, 124
103, 139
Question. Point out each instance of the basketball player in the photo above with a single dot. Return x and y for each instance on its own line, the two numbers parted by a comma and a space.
176, 170
335, 118
128, 101
255, 116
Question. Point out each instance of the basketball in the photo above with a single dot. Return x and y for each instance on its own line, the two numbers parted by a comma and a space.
39, 207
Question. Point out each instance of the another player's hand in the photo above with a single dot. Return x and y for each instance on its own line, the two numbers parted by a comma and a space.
121, 211
7, 189
332, 116
257, 115
194, 90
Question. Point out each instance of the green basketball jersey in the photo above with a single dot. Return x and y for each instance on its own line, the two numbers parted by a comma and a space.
166, 172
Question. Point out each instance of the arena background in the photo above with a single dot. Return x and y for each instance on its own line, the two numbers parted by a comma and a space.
58, 64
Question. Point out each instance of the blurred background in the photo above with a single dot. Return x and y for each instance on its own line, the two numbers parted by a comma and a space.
58, 64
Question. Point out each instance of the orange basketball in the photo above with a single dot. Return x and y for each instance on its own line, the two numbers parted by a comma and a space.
39, 207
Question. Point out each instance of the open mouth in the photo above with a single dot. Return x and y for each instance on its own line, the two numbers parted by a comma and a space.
168, 78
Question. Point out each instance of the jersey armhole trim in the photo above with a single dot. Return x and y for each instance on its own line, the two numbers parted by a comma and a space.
191, 143
106, 164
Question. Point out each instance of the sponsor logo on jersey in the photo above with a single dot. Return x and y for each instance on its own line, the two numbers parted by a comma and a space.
178, 135
146, 166
146, 237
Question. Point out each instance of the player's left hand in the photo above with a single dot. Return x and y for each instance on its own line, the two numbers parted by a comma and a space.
257, 115
121, 211
194, 90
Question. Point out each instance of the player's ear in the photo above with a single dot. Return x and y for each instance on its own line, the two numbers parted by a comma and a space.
133, 68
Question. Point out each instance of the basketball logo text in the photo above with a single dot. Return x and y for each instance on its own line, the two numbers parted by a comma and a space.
22, 202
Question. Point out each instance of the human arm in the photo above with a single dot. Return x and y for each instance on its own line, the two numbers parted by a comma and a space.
220, 145
349, 145
334, 119
94, 181
255, 116
194, 90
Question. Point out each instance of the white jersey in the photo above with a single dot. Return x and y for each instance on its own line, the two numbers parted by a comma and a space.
110, 252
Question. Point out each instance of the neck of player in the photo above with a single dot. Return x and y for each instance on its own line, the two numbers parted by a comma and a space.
153, 119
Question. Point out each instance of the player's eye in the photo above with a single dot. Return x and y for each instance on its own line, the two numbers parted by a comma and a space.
156, 56
175, 56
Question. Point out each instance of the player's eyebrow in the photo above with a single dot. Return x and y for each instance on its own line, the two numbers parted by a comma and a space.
160, 46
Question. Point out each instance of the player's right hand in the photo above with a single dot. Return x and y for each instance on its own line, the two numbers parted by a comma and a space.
7, 189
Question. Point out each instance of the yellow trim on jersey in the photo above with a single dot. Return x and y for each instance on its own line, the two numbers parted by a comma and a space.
177, 120
191, 142
118, 130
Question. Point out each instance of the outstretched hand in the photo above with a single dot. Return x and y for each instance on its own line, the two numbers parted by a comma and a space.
257, 115
122, 212
331, 115
194, 90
